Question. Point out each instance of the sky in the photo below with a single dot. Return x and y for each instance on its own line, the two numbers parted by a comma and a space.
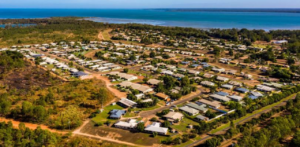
149, 4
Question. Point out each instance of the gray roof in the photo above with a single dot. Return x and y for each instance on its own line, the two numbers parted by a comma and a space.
189, 110
198, 107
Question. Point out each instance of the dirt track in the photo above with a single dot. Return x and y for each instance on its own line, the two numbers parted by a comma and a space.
30, 125
108, 84
100, 36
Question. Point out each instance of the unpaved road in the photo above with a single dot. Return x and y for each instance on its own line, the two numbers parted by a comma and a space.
30, 125
100, 36
93, 74
108, 84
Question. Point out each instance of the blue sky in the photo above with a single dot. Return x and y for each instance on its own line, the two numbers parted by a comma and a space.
149, 3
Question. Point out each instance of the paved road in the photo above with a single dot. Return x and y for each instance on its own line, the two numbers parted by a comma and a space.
153, 112
208, 136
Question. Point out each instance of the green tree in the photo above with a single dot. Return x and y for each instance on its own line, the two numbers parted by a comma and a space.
140, 127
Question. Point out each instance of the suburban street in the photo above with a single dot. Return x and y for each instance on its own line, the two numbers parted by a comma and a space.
153, 112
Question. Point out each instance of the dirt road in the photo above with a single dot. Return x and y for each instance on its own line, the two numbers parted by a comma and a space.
100, 36
30, 125
108, 84
93, 74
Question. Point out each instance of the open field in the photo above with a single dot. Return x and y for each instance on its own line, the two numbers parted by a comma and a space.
142, 139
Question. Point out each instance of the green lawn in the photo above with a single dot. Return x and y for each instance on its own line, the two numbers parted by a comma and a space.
103, 116
188, 142
130, 114
182, 126
253, 113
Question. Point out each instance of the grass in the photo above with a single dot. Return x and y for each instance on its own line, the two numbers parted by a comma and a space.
146, 109
188, 142
250, 114
182, 126
106, 35
130, 114
103, 116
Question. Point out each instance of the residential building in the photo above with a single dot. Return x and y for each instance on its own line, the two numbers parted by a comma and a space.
156, 127
189, 110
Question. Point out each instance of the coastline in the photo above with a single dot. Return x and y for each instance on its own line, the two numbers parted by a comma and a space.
162, 17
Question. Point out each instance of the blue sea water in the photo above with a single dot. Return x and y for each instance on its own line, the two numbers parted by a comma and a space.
198, 19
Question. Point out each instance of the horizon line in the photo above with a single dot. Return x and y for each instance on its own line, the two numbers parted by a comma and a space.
145, 8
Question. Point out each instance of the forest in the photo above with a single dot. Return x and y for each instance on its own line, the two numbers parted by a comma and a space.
60, 105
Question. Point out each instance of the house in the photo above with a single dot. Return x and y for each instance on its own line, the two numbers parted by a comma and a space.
116, 114
167, 72
207, 83
219, 97
242, 90
173, 116
80, 74
201, 107
235, 83
213, 104
227, 86
218, 70
178, 75
202, 118
193, 72
129, 124
124, 76
139, 87
221, 93
153, 82
147, 101
265, 88
223, 79
235, 98
140, 95
207, 75
124, 102
156, 127
189, 110
231, 72
162, 96
185, 62
256, 93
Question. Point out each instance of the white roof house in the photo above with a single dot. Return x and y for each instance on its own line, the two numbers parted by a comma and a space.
265, 88
139, 87
156, 127
130, 124
172, 116
224, 79
207, 83
127, 103
227, 86
235, 98
219, 97
124, 76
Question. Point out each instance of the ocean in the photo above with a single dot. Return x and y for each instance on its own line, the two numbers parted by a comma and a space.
205, 19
